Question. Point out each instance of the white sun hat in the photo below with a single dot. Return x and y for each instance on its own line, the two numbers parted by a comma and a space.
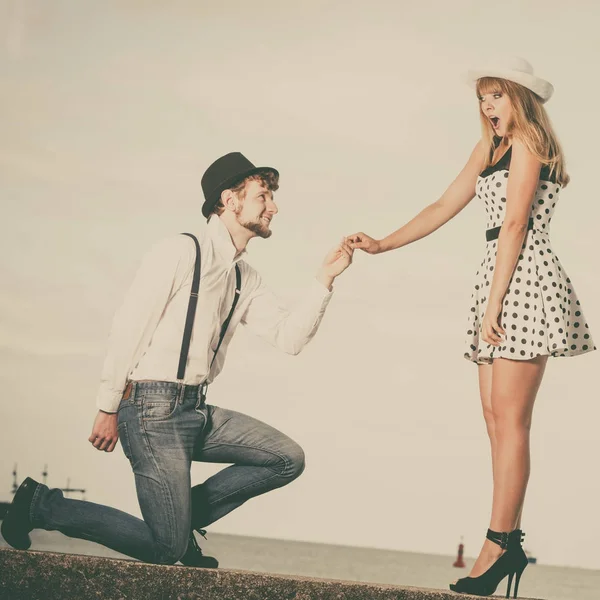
514, 69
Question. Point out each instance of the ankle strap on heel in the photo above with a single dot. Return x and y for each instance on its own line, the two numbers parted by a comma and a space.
498, 537
504, 539
516, 537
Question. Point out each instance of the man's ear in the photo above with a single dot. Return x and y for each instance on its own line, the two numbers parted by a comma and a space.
229, 200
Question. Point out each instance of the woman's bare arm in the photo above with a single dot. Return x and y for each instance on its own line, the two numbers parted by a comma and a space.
460, 192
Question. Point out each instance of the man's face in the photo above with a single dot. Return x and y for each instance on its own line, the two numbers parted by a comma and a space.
257, 209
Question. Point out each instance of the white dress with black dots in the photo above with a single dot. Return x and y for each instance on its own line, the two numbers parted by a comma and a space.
541, 313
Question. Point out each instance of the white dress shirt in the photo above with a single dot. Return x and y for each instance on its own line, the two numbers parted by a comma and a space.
147, 331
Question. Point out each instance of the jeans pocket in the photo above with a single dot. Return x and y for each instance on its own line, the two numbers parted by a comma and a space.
159, 407
124, 437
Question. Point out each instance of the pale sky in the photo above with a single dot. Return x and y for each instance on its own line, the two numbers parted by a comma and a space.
109, 114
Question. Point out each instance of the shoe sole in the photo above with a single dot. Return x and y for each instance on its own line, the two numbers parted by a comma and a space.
10, 531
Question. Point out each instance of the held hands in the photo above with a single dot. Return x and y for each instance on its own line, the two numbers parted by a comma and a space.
335, 263
104, 432
364, 242
491, 330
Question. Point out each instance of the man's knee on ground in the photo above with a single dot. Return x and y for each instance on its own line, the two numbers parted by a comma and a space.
169, 555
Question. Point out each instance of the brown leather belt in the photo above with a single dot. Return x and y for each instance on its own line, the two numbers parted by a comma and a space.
127, 391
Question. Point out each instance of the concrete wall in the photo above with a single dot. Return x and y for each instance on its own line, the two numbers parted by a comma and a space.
51, 576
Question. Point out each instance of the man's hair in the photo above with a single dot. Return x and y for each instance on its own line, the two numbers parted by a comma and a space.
269, 179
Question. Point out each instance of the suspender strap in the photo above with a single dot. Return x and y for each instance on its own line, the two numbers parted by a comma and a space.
191, 312
236, 297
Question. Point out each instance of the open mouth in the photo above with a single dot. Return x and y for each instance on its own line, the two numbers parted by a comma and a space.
495, 122
266, 220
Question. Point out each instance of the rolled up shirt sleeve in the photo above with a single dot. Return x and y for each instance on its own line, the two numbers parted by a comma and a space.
161, 272
288, 329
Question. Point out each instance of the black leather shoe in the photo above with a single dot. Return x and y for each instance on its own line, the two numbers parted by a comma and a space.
16, 524
193, 556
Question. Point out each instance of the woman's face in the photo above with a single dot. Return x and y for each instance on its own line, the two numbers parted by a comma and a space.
496, 107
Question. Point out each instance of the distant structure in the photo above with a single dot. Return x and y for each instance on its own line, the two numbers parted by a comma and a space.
68, 490
532, 560
15, 486
459, 562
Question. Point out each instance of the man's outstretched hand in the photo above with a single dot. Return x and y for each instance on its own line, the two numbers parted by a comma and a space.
104, 432
335, 263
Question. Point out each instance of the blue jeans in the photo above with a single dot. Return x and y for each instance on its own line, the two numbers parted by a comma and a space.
163, 427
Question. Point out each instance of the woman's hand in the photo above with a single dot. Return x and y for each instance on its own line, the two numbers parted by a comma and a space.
364, 242
491, 330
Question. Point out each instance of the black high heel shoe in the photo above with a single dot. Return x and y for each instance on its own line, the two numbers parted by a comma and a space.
512, 563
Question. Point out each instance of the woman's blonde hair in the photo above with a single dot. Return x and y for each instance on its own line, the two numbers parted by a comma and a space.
530, 124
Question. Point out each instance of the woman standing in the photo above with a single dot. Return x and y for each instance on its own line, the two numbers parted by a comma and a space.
523, 307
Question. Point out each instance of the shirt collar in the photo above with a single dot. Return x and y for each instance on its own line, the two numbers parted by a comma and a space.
222, 242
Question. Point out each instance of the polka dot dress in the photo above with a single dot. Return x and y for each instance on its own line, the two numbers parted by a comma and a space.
541, 313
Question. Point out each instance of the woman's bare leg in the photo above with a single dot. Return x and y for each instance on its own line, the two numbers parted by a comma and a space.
514, 387
485, 392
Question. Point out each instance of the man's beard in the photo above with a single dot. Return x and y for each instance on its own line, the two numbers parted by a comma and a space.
258, 228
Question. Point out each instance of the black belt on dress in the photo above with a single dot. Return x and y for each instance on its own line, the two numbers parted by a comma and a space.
494, 232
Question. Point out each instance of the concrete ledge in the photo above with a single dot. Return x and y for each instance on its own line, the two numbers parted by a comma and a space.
51, 576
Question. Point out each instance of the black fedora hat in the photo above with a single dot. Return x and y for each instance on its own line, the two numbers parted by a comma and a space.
226, 172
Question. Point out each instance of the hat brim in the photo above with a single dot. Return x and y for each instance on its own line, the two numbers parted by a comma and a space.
542, 88
212, 200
